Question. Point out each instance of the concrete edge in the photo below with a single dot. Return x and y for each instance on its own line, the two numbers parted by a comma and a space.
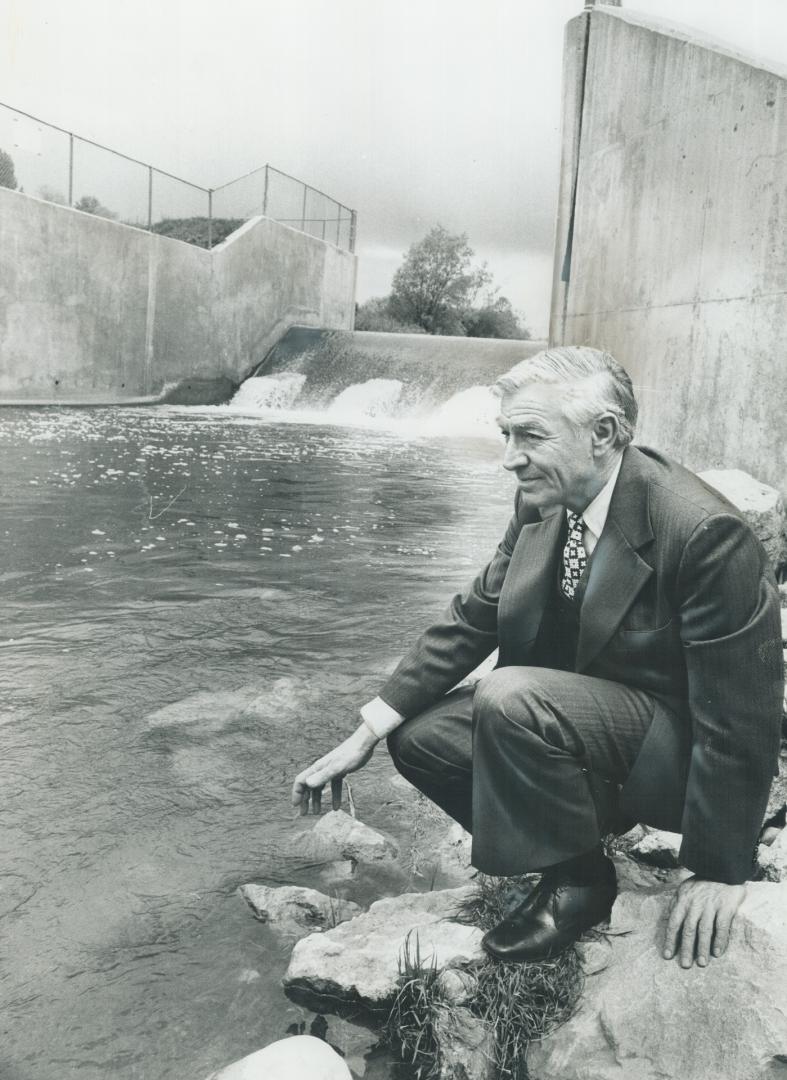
689, 35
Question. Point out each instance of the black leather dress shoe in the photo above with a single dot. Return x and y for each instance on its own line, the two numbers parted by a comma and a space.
557, 912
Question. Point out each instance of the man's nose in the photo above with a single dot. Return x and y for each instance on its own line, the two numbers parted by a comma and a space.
514, 456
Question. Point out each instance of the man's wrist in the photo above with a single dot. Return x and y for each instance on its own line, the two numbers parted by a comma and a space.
380, 718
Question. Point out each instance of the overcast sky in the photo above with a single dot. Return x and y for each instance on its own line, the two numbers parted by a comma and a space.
411, 111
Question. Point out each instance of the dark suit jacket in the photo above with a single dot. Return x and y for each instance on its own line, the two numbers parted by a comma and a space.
680, 603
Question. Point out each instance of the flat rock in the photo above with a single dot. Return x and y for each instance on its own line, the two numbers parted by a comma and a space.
761, 505
336, 836
288, 1059
358, 961
658, 848
296, 910
645, 1018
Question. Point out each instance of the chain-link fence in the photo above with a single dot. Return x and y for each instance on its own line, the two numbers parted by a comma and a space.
46, 161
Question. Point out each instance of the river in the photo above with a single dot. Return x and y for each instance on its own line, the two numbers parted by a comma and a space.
195, 601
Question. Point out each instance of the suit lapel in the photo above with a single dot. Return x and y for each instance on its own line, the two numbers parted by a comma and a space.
618, 572
532, 574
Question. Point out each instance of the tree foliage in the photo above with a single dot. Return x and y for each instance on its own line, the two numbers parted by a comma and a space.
7, 174
89, 204
436, 283
438, 290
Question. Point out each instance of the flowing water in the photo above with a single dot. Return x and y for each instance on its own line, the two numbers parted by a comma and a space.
195, 601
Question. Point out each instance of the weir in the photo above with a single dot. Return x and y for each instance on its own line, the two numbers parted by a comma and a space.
364, 377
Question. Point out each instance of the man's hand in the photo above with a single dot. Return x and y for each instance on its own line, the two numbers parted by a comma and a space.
701, 916
347, 757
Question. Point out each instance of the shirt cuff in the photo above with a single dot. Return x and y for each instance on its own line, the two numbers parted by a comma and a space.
380, 718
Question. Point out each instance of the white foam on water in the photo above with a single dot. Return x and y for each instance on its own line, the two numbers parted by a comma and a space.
266, 393
376, 403
473, 409
370, 399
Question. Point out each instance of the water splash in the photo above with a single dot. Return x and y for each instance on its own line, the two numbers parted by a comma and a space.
373, 398
269, 392
379, 403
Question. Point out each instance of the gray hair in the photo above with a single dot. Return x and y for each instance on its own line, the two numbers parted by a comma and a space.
595, 384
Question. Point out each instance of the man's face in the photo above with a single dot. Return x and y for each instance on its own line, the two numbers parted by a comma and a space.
553, 461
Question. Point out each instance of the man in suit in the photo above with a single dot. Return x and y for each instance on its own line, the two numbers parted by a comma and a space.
639, 674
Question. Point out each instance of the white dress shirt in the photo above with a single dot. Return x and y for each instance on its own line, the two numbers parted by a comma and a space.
381, 719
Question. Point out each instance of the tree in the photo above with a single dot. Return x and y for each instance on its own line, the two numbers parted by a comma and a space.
436, 283
495, 319
7, 174
375, 314
89, 204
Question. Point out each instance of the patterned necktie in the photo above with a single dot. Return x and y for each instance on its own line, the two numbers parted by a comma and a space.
575, 558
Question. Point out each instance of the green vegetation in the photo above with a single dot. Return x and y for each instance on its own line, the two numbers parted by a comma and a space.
89, 204
437, 290
7, 174
518, 1003
195, 230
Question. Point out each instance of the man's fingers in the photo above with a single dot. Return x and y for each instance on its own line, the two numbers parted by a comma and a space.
316, 800
336, 793
721, 938
688, 938
705, 934
674, 925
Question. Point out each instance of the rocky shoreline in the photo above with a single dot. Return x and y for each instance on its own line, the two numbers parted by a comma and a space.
638, 1016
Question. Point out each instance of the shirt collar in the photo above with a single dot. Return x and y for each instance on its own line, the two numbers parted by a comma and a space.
595, 513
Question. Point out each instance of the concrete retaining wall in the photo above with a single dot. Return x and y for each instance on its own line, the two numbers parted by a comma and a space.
671, 232
95, 311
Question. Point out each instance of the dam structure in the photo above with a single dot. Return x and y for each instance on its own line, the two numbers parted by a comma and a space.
670, 235
412, 382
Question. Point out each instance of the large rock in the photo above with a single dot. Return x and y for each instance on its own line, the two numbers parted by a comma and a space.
645, 1018
359, 960
336, 836
288, 1059
761, 505
296, 910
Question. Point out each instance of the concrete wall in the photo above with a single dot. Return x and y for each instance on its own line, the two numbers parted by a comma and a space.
91, 310
671, 231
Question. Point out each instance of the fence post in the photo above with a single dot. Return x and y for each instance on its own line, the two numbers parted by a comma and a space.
150, 198
338, 222
70, 170
265, 195
210, 219
353, 228
303, 208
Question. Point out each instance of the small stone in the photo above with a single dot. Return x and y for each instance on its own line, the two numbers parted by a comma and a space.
297, 910
453, 856
456, 985
658, 848
286, 1059
359, 961
761, 505
466, 1045
772, 858
337, 835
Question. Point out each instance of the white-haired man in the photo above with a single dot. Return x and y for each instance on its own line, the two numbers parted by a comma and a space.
639, 674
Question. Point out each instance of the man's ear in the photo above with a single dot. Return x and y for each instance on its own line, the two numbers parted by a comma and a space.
605, 432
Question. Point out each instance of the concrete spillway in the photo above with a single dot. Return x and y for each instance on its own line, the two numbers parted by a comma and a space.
374, 375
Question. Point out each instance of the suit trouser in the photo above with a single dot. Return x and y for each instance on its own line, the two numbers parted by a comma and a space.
529, 761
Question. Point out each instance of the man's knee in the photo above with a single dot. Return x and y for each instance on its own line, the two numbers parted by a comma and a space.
504, 694
520, 699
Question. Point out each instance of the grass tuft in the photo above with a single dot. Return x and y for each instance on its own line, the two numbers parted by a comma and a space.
519, 1002
411, 1023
